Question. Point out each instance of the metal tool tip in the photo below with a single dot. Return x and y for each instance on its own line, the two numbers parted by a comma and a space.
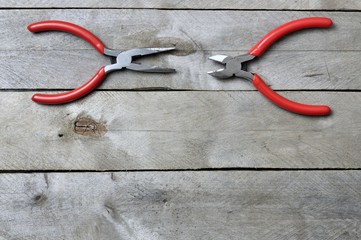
220, 73
212, 73
219, 58
165, 49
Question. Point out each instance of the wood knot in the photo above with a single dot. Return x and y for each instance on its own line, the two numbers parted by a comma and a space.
88, 127
39, 199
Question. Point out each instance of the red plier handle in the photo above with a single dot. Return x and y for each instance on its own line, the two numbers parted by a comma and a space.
54, 25
72, 95
299, 108
266, 42
279, 32
88, 86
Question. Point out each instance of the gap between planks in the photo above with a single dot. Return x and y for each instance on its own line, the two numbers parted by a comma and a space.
182, 170
182, 9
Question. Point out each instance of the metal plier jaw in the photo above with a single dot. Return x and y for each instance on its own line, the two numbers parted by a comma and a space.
234, 66
124, 60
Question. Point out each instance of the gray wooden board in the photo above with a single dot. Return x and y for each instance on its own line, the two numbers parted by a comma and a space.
303, 70
190, 30
188, 4
313, 59
142, 130
181, 205
179, 130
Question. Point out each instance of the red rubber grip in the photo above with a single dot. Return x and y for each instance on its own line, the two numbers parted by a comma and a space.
74, 94
303, 109
277, 33
53, 25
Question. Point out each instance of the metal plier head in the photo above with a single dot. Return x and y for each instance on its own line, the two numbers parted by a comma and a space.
124, 59
233, 66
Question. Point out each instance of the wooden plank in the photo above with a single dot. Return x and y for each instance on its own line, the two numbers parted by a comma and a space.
188, 4
190, 30
337, 70
314, 59
181, 205
178, 130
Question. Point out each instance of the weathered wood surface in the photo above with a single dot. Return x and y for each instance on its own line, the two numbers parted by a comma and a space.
181, 205
332, 70
203, 30
188, 4
142, 130
313, 59
179, 130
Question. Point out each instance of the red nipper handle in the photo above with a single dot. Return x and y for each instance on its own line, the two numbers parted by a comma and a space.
303, 109
287, 28
53, 25
74, 94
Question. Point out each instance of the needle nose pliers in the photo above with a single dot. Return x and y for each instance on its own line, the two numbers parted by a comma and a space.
234, 66
123, 61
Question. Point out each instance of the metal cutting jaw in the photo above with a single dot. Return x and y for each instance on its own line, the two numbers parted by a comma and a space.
233, 66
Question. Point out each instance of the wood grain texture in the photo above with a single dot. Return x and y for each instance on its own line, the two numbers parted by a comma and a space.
181, 205
179, 130
283, 70
188, 4
190, 30
172, 130
312, 59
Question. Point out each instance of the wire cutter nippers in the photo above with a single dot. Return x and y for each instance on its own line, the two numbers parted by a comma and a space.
234, 66
124, 59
